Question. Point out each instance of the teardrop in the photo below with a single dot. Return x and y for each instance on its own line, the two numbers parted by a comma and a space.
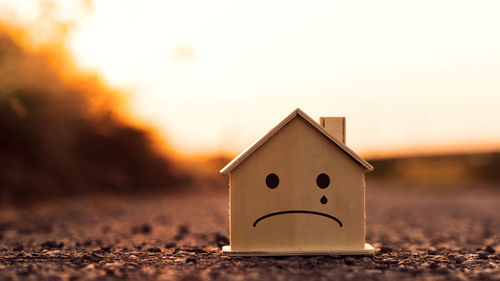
323, 200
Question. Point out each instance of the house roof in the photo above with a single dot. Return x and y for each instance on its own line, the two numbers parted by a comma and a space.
297, 112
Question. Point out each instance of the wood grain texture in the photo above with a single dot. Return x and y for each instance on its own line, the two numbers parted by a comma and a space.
335, 126
368, 250
297, 154
296, 113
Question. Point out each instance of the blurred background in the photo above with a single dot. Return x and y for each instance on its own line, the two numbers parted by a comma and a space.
126, 97
116, 116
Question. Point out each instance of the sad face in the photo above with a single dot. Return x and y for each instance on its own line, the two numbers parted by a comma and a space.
322, 182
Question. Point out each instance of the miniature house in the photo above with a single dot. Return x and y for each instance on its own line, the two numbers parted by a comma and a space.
299, 190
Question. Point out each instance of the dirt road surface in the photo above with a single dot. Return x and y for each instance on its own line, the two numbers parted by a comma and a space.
418, 235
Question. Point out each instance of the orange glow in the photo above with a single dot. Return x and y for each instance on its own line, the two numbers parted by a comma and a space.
44, 64
213, 76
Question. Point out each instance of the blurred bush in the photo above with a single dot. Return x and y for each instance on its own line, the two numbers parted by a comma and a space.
63, 132
456, 169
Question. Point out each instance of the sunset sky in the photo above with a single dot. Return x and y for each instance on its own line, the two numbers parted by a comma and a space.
213, 76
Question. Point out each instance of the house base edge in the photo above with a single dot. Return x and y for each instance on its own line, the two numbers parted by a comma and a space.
368, 250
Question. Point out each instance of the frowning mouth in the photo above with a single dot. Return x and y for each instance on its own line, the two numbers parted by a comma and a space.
297, 212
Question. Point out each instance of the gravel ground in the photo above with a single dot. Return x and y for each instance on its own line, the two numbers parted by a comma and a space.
418, 235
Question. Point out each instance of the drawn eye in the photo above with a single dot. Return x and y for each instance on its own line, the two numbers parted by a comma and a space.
272, 181
323, 181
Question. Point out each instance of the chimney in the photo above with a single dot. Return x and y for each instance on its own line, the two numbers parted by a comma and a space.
335, 126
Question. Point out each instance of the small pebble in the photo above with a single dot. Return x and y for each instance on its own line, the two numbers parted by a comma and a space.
106, 249
385, 249
432, 252
154, 250
170, 245
221, 240
349, 261
143, 229
183, 229
489, 249
51, 244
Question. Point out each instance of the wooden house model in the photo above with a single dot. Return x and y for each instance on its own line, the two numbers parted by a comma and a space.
298, 190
